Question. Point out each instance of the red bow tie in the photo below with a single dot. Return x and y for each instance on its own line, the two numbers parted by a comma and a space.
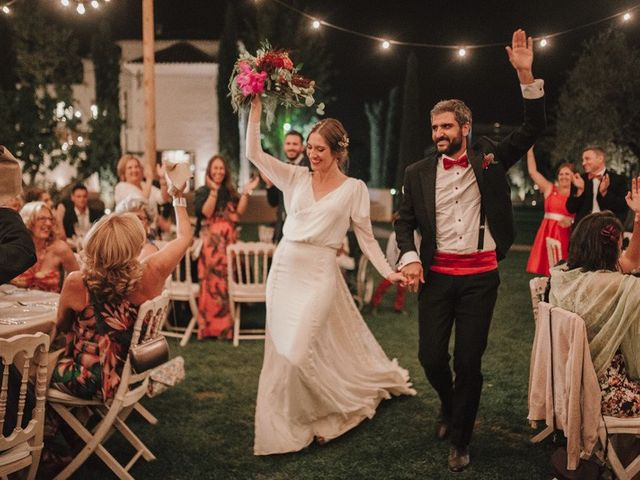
593, 176
447, 163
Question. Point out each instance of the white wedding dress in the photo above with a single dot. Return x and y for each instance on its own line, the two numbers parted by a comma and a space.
323, 371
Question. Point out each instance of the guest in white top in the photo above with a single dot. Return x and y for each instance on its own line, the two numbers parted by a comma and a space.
136, 180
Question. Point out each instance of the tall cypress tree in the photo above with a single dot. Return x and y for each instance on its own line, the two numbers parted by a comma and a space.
228, 53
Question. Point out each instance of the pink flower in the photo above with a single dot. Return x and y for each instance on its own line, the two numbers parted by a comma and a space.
250, 81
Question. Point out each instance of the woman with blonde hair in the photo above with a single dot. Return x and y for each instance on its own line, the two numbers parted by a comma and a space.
136, 180
323, 371
98, 305
54, 255
141, 209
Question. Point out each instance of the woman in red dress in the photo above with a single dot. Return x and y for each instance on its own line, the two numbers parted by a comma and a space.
557, 220
218, 209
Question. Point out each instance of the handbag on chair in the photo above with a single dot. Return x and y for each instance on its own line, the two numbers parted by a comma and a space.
149, 354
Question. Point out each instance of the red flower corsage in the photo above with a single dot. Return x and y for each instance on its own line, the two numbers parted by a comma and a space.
488, 159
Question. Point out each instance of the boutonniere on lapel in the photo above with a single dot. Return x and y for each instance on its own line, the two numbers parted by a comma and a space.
488, 159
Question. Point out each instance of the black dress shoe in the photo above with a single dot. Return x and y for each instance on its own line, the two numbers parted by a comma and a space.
442, 427
459, 459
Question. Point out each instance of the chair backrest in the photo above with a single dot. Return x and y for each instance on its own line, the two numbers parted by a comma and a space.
562, 370
151, 316
554, 251
25, 352
537, 286
265, 233
182, 272
247, 269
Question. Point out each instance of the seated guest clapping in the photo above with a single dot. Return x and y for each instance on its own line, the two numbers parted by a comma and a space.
141, 209
54, 256
592, 285
17, 252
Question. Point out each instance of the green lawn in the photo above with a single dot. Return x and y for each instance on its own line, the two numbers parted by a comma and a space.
206, 423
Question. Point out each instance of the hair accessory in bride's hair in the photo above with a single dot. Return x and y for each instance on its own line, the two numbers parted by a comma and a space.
344, 142
610, 234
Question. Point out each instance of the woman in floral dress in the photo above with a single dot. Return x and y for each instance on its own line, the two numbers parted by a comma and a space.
218, 208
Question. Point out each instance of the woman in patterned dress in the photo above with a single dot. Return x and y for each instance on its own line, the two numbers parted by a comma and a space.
218, 209
593, 284
54, 256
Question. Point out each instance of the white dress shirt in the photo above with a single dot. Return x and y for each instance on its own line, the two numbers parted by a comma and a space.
596, 186
83, 224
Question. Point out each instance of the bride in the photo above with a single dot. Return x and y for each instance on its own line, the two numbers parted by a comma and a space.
323, 371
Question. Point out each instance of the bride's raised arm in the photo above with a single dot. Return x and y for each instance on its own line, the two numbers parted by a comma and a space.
279, 173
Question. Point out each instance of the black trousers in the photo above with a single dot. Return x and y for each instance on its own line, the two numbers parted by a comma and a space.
466, 301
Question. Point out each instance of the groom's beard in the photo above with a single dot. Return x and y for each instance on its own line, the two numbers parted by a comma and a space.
452, 147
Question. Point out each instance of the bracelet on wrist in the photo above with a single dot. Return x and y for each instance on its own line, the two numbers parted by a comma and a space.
179, 202
248, 193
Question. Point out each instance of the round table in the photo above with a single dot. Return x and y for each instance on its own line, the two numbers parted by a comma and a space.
26, 311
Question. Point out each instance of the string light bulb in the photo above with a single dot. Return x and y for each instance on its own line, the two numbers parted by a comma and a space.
95, 4
544, 42
462, 52
626, 17
80, 9
386, 44
65, 3
6, 10
316, 24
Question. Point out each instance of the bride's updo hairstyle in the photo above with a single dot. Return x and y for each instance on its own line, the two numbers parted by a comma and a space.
336, 137
595, 243
110, 256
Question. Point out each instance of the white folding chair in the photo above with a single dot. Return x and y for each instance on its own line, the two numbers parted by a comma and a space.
554, 251
22, 447
537, 286
247, 269
365, 282
114, 412
265, 233
182, 289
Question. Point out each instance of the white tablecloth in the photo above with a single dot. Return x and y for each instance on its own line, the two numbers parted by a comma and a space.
26, 311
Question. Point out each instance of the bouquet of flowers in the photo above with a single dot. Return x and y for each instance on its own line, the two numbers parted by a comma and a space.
272, 73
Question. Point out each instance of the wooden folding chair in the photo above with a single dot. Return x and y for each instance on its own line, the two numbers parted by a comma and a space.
114, 412
554, 251
247, 269
182, 289
22, 446
537, 286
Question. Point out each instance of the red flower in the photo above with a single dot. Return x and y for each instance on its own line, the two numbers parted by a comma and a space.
487, 159
300, 81
273, 60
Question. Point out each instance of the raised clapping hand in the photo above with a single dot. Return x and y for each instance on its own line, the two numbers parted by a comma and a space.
521, 55
413, 275
604, 185
633, 196
578, 182
252, 184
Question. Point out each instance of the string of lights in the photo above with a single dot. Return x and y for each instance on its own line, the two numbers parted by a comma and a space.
81, 6
541, 41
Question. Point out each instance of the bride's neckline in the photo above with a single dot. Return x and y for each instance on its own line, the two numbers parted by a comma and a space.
313, 193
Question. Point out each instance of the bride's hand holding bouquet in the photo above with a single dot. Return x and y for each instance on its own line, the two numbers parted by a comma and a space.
272, 75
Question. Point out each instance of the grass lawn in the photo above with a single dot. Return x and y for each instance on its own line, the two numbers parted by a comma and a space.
206, 423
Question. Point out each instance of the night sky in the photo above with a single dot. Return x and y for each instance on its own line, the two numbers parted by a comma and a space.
363, 71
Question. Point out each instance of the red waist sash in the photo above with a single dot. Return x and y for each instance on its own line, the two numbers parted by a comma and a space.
464, 264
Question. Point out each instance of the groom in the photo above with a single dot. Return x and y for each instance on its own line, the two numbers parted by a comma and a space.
460, 201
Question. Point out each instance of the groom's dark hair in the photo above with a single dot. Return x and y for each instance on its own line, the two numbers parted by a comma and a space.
455, 106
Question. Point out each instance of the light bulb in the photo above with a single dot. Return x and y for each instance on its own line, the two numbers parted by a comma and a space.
386, 44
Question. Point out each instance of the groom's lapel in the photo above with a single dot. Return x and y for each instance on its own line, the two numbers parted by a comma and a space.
428, 184
475, 159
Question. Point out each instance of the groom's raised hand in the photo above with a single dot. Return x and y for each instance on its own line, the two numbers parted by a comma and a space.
521, 56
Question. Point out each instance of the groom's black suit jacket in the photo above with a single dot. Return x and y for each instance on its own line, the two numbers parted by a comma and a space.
490, 162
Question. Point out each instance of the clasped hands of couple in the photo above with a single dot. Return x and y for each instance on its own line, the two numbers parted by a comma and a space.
410, 276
